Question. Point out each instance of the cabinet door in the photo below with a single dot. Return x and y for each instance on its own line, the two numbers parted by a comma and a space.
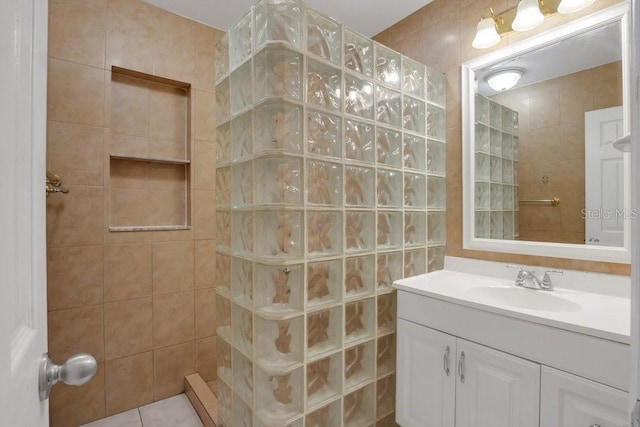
425, 391
571, 401
495, 389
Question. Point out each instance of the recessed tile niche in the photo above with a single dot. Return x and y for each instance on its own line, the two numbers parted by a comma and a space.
149, 150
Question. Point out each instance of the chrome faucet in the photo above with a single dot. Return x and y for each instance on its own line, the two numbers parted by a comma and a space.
529, 280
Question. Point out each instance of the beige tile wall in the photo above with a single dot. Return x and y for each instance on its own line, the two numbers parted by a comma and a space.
440, 35
142, 302
552, 144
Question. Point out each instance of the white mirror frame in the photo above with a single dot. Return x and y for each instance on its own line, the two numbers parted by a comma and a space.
618, 12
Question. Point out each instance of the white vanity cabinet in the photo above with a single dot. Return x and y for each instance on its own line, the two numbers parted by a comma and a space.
444, 381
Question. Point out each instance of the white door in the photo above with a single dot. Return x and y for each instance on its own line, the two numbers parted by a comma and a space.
604, 178
568, 401
23, 322
425, 377
495, 389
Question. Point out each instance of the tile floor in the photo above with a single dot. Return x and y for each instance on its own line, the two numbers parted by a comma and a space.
175, 411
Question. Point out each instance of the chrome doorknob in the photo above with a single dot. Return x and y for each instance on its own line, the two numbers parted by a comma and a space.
77, 370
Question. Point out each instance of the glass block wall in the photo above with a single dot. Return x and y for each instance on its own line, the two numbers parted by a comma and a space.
496, 172
329, 185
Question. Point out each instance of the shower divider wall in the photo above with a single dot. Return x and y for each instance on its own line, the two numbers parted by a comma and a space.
329, 186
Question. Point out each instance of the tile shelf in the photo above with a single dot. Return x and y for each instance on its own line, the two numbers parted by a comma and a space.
118, 156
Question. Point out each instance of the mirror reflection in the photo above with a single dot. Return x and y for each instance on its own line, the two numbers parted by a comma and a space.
545, 166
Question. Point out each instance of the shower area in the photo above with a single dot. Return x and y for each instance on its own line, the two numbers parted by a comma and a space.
330, 185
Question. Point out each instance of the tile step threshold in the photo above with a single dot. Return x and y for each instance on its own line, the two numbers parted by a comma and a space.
203, 399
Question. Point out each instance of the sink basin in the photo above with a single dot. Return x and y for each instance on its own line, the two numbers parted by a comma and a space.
528, 299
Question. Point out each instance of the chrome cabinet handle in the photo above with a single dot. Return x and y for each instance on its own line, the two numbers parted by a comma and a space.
446, 360
461, 367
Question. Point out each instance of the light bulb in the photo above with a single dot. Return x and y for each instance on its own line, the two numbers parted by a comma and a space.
570, 6
486, 34
528, 16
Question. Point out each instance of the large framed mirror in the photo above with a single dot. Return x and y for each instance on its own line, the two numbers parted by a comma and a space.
541, 175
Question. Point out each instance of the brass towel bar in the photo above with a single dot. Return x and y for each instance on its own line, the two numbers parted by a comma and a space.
552, 202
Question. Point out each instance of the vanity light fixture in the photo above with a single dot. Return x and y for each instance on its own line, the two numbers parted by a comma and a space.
528, 15
504, 79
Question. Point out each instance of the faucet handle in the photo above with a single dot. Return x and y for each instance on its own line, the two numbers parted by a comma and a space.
546, 279
520, 280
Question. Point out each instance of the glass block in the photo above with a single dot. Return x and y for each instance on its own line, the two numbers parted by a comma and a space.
507, 146
415, 229
415, 262
482, 138
516, 198
242, 377
389, 191
483, 166
223, 101
223, 273
242, 281
387, 66
359, 320
436, 157
240, 88
241, 136
324, 37
389, 269
389, 234
324, 84
386, 357
222, 57
516, 148
436, 87
388, 106
330, 415
324, 134
516, 226
386, 313
415, 190
223, 143
324, 183
358, 52
241, 184
279, 180
483, 196
242, 329
507, 197
296, 423
358, 231
281, 234
496, 197
507, 171
413, 74
507, 120
436, 227
240, 41
278, 72
224, 402
358, 99
358, 141
436, 122
413, 116
242, 415
223, 318
515, 173
359, 281
435, 258
223, 360
496, 225
507, 225
324, 233
279, 343
324, 380
242, 232
324, 283
385, 396
436, 192
358, 186
483, 225
359, 365
223, 230
358, 406
279, 397
516, 122
495, 115
278, 127
495, 169
482, 109
279, 21
414, 152
389, 147
278, 290
495, 142
324, 332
